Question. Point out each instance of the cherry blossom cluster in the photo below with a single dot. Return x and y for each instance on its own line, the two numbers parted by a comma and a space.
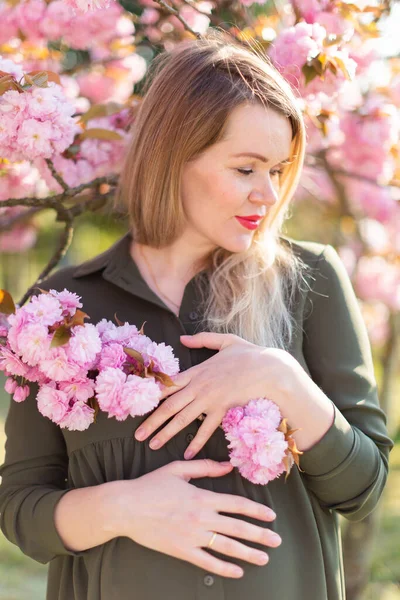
127, 355
298, 47
84, 6
40, 21
35, 120
92, 157
260, 445
46, 342
80, 368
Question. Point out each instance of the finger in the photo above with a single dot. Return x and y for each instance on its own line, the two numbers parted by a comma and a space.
172, 405
181, 420
208, 339
225, 545
204, 467
209, 563
180, 380
247, 531
230, 503
206, 429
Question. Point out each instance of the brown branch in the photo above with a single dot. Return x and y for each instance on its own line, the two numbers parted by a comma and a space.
341, 195
214, 20
351, 174
53, 201
56, 175
176, 14
63, 245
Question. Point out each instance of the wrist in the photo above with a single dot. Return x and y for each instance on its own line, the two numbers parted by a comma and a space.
112, 502
305, 405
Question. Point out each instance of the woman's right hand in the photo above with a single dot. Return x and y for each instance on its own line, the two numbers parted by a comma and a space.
162, 511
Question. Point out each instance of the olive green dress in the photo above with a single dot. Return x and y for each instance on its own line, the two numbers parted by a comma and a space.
344, 473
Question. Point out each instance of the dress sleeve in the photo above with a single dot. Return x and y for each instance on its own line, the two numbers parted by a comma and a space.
347, 469
34, 476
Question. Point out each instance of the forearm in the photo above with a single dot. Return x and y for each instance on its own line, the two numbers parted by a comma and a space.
88, 517
305, 406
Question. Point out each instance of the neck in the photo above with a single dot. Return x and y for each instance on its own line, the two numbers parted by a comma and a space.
172, 262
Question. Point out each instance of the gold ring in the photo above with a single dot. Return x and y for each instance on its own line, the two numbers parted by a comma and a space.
210, 543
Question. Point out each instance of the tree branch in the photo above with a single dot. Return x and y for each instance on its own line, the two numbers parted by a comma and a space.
53, 201
56, 175
176, 14
63, 245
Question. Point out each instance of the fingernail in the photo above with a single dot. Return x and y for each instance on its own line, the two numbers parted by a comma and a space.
188, 454
154, 444
225, 463
140, 433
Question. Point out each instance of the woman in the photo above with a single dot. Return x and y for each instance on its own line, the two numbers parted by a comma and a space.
218, 139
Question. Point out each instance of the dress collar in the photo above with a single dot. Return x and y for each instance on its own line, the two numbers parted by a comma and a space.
118, 267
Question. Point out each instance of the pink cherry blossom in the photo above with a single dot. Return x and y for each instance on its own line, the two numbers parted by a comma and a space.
36, 123
57, 365
69, 301
9, 66
122, 334
112, 355
163, 358
52, 403
78, 418
10, 385
379, 280
108, 388
78, 389
8, 25
83, 6
11, 364
257, 448
21, 393
84, 345
139, 395
28, 15
44, 308
33, 343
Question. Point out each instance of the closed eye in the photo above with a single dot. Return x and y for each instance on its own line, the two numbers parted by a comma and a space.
250, 171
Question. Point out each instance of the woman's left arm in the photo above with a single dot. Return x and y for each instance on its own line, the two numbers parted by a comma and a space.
347, 468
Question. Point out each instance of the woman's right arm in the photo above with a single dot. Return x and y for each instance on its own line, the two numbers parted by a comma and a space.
34, 476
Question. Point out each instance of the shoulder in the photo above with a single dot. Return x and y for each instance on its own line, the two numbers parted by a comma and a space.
310, 252
81, 274
324, 272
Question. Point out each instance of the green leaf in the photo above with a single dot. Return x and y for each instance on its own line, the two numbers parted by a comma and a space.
100, 134
101, 110
309, 73
61, 337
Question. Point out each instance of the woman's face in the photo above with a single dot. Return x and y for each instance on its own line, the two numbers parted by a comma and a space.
218, 186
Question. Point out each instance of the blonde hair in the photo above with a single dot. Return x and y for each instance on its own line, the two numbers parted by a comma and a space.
189, 94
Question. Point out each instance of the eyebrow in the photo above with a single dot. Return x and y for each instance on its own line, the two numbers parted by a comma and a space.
260, 157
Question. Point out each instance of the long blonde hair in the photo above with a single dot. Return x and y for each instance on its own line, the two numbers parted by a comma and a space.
189, 94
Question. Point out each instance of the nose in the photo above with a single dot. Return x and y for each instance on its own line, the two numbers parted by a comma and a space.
265, 192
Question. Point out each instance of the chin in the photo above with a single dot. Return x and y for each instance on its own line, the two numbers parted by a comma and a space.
238, 245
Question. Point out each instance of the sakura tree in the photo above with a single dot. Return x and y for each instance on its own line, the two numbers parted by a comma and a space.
70, 79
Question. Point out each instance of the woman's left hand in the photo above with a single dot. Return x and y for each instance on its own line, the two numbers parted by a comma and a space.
239, 372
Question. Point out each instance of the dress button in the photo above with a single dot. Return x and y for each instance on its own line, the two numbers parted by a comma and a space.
208, 580
189, 437
193, 316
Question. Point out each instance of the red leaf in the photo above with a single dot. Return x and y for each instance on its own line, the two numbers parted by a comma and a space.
7, 306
